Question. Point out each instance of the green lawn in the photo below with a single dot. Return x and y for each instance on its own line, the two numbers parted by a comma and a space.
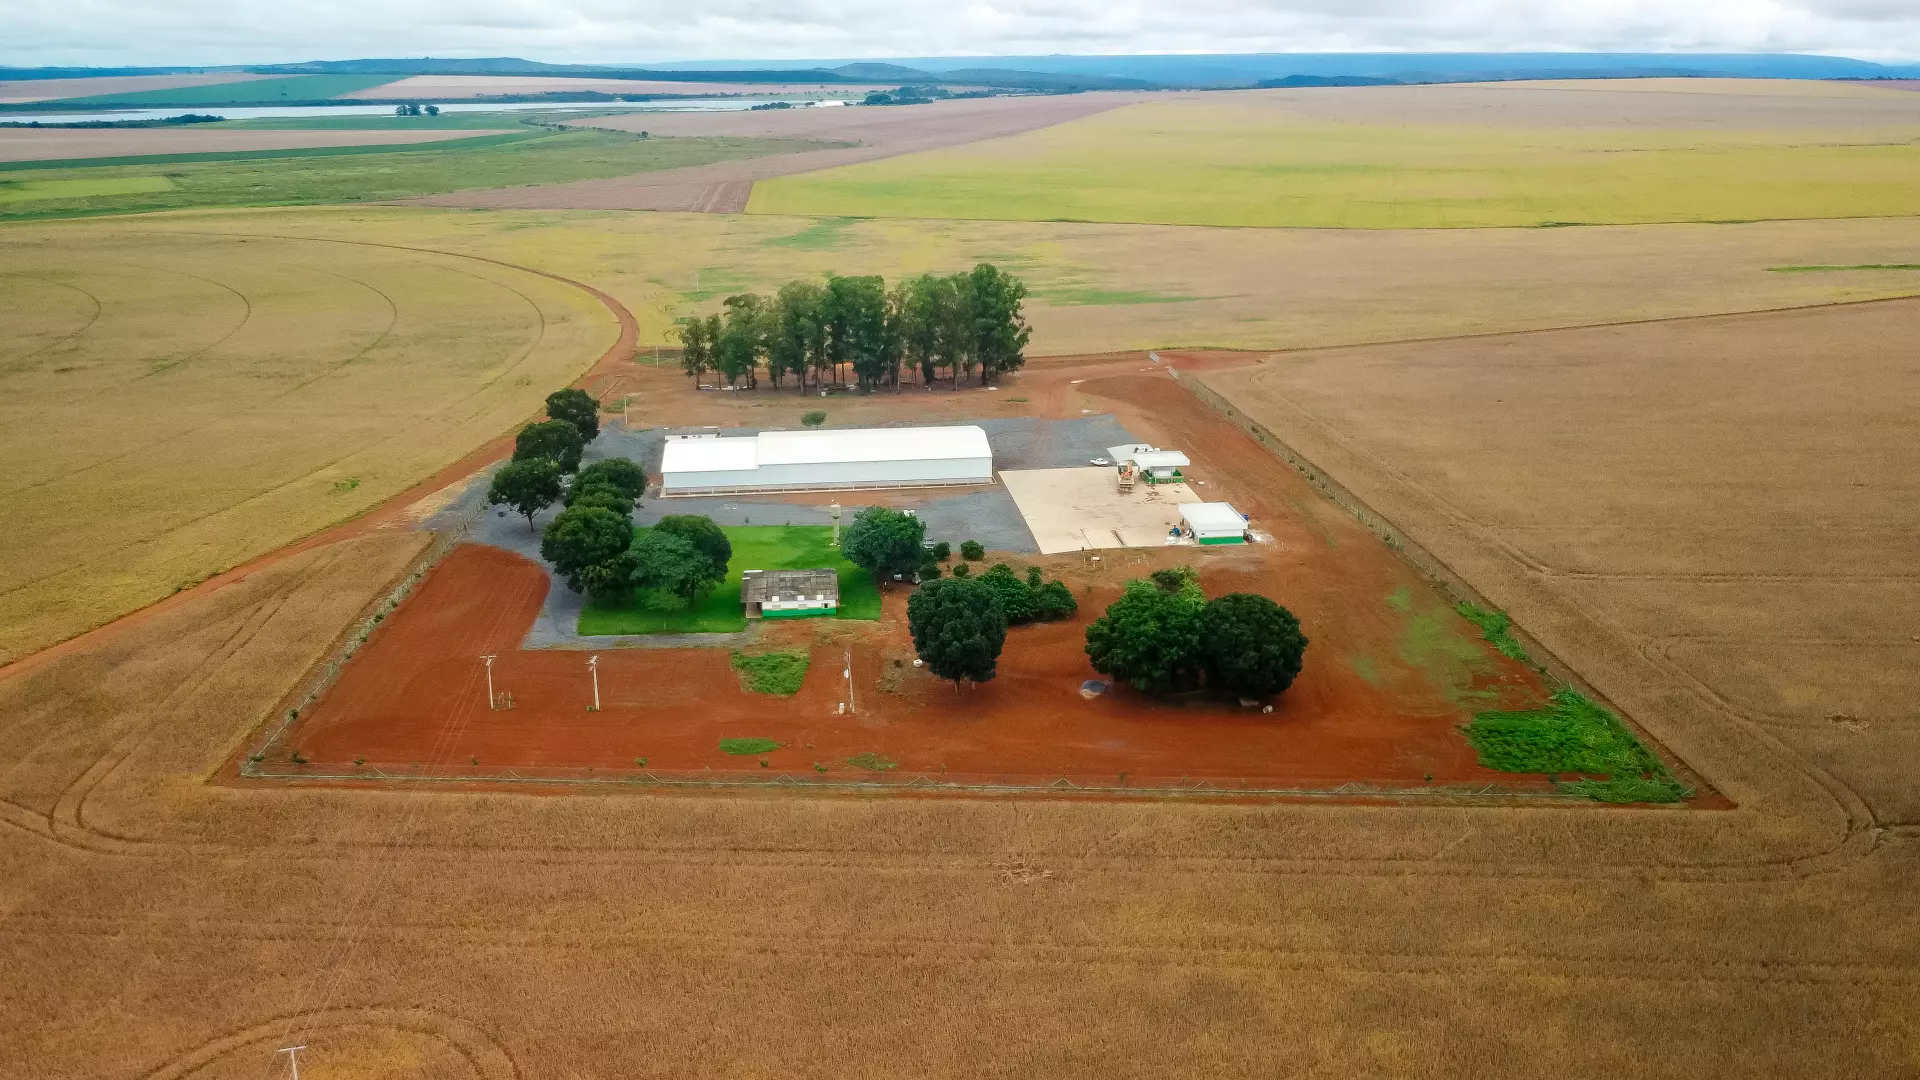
328, 175
252, 92
755, 547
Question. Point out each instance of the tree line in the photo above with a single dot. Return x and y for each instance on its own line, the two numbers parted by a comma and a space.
936, 327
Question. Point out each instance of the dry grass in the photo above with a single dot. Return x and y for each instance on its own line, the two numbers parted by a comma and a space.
1413, 157
1103, 287
174, 404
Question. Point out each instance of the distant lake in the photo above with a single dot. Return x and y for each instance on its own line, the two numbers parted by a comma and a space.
264, 112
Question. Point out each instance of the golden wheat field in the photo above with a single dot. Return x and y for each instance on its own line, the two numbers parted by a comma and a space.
173, 404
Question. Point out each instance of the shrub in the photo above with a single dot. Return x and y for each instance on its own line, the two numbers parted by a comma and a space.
748, 747
962, 570
622, 475
929, 570
942, 551
1015, 596
813, 419
778, 673
1054, 601
971, 550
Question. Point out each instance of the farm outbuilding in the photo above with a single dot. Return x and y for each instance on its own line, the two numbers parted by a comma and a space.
789, 594
774, 461
1213, 523
1156, 466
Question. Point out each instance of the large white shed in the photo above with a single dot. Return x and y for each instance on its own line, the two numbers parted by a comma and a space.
833, 460
1214, 522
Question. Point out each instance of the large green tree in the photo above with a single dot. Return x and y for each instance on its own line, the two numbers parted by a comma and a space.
576, 407
707, 538
958, 628
584, 536
556, 440
1016, 596
666, 561
603, 495
884, 541
696, 347
742, 340
857, 327
999, 332
621, 474
528, 486
1250, 647
1150, 637
796, 331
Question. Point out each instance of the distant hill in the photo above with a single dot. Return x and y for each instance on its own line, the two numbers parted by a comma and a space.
1293, 81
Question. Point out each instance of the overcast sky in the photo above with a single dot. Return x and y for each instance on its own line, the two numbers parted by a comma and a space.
110, 32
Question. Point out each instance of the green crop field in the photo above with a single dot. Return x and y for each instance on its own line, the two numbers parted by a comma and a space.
755, 547
389, 122
251, 92
362, 174
1229, 162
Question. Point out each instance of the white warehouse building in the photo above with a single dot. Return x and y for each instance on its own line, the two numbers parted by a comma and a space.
774, 461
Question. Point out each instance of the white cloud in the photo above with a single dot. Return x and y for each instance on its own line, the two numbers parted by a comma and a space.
34, 32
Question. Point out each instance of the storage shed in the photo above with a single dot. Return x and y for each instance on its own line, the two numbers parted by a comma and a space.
774, 461
1156, 466
1213, 523
789, 594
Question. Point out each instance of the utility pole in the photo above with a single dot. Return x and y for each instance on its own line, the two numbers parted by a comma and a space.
293, 1057
834, 510
848, 672
492, 702
593, 665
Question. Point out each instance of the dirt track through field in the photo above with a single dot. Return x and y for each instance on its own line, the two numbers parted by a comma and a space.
878, 132
53, 144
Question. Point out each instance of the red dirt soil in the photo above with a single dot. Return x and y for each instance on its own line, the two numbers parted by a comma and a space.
1370, 707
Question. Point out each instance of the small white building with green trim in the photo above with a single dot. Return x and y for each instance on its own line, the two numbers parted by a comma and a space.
789, 594
1156, 466
1213, 523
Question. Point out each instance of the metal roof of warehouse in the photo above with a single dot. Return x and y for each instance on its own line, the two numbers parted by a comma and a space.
824, 447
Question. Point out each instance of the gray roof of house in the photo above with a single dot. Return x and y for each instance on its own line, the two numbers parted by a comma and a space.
757, 585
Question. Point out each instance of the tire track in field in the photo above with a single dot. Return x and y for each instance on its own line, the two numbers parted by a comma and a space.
21, 360
488, 1059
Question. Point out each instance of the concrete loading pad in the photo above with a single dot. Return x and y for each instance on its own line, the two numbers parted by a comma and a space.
1077, 509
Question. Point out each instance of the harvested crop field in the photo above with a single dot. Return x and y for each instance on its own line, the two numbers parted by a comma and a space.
1411, 157
176, 405
444, 87
1099, 288
23, 91
53, 144
1715, 520
873, 132
485, 933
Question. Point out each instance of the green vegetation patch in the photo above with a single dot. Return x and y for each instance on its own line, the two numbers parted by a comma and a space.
748, 747
871, 762
1573, 736
822, 235
20, 191
1496, 628
446, 121
367, 174
245, 155
249, 92
1089, 296
1835, 269
755, 547
777, 673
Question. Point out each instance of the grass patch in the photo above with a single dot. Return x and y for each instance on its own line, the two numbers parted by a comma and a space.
1573, 736
1834, 269
823, 235
871, 762
755, 547
21, 191
748, 747
1496, 628
248, 155
777, 673
370, 174
446, 121
1089, 296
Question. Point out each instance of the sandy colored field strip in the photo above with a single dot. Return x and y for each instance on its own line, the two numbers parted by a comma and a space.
1414, 157
53, 144
877, 132
175, 405
445, 87
1097, 288
22, 91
